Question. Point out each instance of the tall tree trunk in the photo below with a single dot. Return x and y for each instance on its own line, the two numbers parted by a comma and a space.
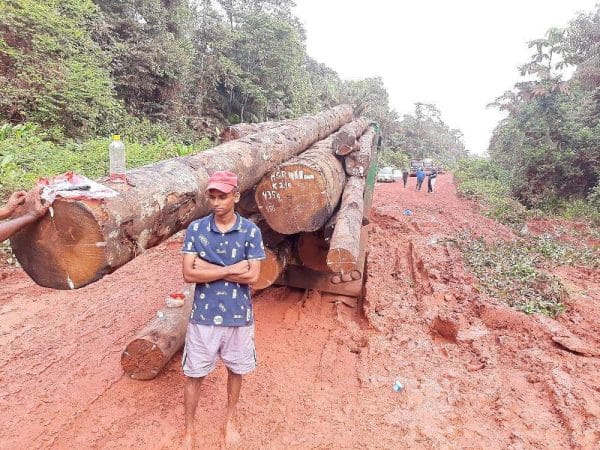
85, 239
302, 193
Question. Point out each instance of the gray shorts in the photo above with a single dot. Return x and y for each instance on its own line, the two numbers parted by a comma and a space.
203, 343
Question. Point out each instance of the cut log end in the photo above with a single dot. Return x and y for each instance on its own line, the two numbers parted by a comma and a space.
312, 251
270, 269
142, 359
68, 242
341, 260
294, 205
345, 149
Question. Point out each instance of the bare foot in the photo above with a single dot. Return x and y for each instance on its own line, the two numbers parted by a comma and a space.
232, 435
188, 441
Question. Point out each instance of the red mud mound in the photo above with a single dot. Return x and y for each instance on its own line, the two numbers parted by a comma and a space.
476, 373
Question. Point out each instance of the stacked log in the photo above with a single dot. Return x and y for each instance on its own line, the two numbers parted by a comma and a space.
302, 193
344, 248
359, 162
346, 139
83, 240
240, 130
307, 188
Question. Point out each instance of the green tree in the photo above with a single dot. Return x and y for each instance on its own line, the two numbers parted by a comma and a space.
151, 51
51, 71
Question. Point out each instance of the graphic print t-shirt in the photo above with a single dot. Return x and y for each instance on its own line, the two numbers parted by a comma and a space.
221, 302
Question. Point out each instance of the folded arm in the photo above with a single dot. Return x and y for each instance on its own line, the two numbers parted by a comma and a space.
196, 270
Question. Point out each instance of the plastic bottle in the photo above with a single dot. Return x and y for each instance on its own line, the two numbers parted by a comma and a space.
116, 156
397, 387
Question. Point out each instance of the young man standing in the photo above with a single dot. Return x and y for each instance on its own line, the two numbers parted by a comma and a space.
420, 178
431, 180
222, 254
33, 210
405, 176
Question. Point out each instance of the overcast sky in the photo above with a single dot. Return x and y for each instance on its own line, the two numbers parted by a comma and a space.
458, 54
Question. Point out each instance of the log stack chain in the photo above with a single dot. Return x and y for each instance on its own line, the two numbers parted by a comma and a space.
303, 183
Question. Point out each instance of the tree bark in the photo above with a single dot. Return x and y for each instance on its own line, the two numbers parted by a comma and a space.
346, 139
302, 193
357, 163
84, 240
345, 244
240, 130
152, 348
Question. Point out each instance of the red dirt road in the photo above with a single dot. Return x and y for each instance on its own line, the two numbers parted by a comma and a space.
477, 374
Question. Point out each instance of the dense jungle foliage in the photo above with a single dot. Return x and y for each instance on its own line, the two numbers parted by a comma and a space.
548, 146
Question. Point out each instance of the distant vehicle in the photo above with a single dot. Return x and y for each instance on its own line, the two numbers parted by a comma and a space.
426, 164
397, 175
386, 175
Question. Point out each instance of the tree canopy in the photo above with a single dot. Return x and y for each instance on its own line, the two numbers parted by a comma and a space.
549, 141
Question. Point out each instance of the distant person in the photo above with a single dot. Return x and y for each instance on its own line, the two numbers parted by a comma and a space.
405, 177
33, 209
420, 178
431, 181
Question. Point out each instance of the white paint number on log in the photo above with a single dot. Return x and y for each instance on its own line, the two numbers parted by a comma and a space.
281, 185
270, 195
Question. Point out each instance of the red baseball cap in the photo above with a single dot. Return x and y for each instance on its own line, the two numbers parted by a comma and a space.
222, 181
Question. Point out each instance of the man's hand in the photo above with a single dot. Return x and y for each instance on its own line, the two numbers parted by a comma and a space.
239, 268
15, 200
34, 205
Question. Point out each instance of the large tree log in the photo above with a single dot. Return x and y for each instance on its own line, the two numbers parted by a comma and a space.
271, 238
152, 348
300, 194
312, 250
345, 140
244, 129
84, 240
358, 163
272, 267
247, 205
345, 245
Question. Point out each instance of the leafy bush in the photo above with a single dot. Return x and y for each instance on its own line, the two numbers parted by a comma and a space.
51, 71
484, 181
594, 198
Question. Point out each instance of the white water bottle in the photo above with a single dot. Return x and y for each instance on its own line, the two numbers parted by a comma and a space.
116, 156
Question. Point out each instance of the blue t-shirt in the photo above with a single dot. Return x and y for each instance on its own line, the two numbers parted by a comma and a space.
221, 302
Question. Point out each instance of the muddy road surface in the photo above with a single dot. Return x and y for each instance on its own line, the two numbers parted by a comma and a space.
476, 373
